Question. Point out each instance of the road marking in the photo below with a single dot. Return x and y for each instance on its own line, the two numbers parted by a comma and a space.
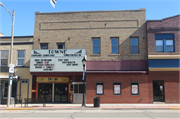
19, 108
174, 108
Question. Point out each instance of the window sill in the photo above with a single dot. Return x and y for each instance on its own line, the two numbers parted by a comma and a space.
113, 54
95, 55
134, 54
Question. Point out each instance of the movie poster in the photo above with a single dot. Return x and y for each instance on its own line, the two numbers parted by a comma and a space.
117, 89
99, 89
134, 89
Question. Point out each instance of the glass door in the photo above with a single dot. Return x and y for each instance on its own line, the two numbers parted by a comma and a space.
61, 93
45, 91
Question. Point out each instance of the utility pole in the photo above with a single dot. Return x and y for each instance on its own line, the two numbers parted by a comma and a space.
11, 78
11, 69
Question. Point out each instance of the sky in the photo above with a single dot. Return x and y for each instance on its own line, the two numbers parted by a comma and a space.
25, 11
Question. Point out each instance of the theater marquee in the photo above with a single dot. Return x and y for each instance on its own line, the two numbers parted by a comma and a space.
57, 60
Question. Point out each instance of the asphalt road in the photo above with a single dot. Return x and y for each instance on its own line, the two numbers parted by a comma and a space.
89, 114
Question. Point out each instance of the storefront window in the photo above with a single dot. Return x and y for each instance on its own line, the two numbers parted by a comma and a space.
78, 88
5, 89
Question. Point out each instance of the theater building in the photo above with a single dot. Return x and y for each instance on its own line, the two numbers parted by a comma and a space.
163, 59
22, 80
115, 47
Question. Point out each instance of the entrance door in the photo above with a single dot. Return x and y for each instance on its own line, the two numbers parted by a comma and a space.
45, 91
158, 91
61, 93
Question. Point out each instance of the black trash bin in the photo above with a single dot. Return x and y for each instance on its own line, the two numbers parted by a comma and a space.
96, 101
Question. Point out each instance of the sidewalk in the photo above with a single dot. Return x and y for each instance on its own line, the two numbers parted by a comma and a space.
155, 106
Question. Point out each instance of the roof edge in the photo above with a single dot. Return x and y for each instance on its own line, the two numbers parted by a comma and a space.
163, 18
71, 12
16, 36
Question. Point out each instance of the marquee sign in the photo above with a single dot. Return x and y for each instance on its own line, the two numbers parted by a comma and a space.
50, 79
57, 60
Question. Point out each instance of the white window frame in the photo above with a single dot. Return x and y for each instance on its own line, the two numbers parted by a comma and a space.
20, 58
4, 58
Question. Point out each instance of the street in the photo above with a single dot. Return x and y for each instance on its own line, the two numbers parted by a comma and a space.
89, 114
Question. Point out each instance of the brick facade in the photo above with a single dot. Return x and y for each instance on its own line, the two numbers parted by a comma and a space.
81, 27
171, 85
167, 25
171, 75
125, 80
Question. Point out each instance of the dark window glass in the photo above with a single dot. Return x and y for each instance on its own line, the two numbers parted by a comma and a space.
99, 88
96, 46
134, 45
60, 46
114, 45
44, 45
81, 88
75, 88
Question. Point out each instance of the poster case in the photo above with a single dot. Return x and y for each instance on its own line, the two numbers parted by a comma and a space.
99, 88
134, 89
117, 88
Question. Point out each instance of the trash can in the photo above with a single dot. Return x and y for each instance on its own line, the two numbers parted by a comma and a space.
96, 101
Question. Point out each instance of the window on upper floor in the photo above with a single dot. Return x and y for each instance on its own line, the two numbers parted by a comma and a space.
134, 45
4, 57
114, 45
164, 42
44, 45
96, 45
20, 57
60, 46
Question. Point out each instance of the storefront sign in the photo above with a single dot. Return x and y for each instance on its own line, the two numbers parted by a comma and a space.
54, 79
57, 60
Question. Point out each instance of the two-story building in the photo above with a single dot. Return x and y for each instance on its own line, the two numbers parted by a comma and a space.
114, 44
22, 81
163, 59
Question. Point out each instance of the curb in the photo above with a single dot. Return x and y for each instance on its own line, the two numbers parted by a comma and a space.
90, 109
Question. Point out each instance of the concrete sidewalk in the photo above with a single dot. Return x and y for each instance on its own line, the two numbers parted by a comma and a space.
160, 106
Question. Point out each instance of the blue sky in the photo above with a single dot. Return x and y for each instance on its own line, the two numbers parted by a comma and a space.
25, 10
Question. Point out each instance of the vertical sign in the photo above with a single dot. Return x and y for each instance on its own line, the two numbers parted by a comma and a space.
83, 74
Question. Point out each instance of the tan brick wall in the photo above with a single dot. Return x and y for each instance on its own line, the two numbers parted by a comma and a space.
81, 27
23, 72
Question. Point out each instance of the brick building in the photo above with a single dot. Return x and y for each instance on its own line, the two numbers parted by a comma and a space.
115, 47
163, 59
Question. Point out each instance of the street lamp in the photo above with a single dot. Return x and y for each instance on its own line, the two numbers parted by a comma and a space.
84, 63
11, 53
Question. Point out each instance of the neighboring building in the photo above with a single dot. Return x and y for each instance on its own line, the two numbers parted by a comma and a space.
163, 58
114, 44
22, 82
